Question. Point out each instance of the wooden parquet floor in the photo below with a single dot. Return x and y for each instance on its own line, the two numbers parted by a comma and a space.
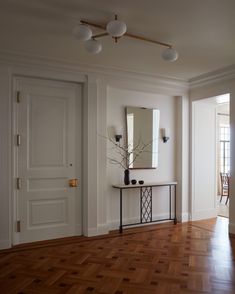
197, 257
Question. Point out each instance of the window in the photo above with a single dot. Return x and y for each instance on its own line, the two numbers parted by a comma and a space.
224, 149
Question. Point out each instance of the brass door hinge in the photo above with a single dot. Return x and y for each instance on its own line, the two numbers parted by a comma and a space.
18, 140
18, 226
18, 183
18, 96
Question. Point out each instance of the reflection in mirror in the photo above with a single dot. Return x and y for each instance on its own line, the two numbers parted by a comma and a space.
142, 132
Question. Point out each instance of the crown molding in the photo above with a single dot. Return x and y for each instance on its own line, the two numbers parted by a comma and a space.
223, 74
12, 58
180, 86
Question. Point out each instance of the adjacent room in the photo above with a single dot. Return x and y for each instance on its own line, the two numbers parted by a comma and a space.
117, 127
223, 155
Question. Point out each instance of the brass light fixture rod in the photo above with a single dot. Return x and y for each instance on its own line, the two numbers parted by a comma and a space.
126, 34
100, 35
93, 24
148, 40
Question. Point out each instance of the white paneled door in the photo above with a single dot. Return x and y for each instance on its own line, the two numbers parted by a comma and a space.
48, 156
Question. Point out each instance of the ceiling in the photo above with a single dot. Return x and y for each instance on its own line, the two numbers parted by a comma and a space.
202, 31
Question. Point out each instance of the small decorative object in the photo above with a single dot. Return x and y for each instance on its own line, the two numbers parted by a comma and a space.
126, 176
141, 182
133, 182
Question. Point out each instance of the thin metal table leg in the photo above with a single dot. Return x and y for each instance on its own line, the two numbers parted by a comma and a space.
151, 211
141, 209
120, 227
175, 219
170, 202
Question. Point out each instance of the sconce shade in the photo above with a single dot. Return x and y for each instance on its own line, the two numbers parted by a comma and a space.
170, 54
118, 130
93, 46
82, 32
116, 28
166, 132
117, 133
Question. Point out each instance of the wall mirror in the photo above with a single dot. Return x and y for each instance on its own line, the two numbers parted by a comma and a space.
142, 125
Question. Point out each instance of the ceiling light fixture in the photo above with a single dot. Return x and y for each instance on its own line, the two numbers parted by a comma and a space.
93, 46
82, 32
170, 54
116, 29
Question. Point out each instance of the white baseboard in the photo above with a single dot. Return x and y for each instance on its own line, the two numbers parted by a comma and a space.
4, 244
100, 230
231, 228
184, 217
114, 224
204, 214
78, 229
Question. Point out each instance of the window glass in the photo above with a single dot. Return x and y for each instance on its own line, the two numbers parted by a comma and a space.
224, 149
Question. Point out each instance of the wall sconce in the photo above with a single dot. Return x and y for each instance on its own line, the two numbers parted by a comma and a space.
118, 138
118, 134
165, 135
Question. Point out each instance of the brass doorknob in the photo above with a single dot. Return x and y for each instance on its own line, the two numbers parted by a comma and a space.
73, 182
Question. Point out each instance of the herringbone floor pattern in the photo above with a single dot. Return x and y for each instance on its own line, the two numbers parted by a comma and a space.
195, 257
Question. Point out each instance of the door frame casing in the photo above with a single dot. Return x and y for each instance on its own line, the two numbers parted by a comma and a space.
77, 78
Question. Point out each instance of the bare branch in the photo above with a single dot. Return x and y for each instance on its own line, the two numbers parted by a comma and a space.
124, 152
114, 161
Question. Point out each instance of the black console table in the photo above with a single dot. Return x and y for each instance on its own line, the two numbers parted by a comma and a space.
146, 202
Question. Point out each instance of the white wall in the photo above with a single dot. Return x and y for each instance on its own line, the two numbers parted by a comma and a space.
117, 100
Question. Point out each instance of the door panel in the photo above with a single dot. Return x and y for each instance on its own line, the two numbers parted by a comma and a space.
49, 123
43, 212
52, 111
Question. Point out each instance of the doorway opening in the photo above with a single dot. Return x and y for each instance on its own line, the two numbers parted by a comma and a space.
210, 157
223, 155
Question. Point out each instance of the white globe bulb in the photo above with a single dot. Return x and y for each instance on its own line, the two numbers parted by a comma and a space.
82, 32
93, 46
116, 28
170, 54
